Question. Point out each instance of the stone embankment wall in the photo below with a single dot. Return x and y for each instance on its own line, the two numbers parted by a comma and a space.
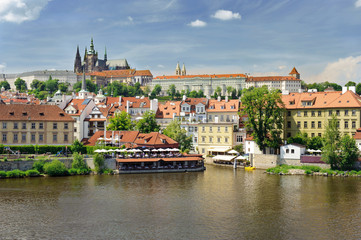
264, 161
297, 162
108, 162
27, 165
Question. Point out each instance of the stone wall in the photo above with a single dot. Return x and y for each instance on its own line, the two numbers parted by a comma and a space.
264, 161
108, 162
27, 165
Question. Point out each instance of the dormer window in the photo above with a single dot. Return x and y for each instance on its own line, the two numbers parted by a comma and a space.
11, 113
25, 113
41, 114
306, 103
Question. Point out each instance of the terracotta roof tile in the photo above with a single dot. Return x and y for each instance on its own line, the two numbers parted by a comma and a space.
236, 75
223, 106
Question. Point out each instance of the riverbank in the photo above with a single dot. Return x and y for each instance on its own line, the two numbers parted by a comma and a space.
310, 170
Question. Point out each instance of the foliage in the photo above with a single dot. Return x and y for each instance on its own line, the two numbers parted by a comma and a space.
37, 85
15, 174
285, 168
348, 153
331, 143
121, 121
265, 111
5, 84
300, 138
2, 174
322, 86
148, 123
73, 171
315, 143
350, 83
156, 91
55, 168
310, 143
99, 163
117, 88
51, 85
38, 165
174, 131
172, 91
358, 88
30, 149
20, 84
63, 87
90, 86
77, 147
78, 161
32, 173
239, 148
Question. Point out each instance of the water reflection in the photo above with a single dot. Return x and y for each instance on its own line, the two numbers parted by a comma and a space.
220, 203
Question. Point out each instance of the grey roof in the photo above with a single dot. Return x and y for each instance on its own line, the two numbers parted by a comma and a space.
117, 63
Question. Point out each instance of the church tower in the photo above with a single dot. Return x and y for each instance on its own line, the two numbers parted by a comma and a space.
178, 70
294, 73
105, 55
83, 93
184, 72
77, 62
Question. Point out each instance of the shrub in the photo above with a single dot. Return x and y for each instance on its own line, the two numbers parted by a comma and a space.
98, 163
2, 174
32, 173
5, 159
78, 161
312, 168
73, 171
308, 172
38, 165
15, 174
82, 171
77, 147
55, 168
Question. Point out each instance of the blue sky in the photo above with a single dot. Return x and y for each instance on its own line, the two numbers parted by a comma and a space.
262, 37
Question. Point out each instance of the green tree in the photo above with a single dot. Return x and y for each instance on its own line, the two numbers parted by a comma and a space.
172, 91
193, 94
37, 85
99, 163
218, 91
146, 90
63, 87
20, 84
315, 143
350, 83
51, 85
78, 161
331, 143
300, 138
5, 84
358, 88
55, 168
148, 123
239, 148
120, 121
77, 147
265, 112
175, 132
348, 153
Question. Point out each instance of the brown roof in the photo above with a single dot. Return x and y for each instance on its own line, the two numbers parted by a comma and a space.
78, 105
322, 100
223, 106
294, 71
125, 73
236, 75
272, 78
23, 112
167, 109
178, 159
357, 134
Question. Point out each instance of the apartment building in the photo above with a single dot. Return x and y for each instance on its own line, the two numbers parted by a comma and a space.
23, 124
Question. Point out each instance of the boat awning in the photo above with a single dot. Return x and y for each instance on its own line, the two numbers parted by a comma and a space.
218, 149
223, 157
177, 159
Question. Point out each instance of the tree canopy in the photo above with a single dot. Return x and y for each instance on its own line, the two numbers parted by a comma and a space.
174, 131
120, 121
20, 84
5, 84
265, 111
148, 123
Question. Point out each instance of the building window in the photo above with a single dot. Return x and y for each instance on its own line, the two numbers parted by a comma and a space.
288, 134
219, 139
210, 139
23, 137
41, 125
15, 137
319, 124
195, 139
298, 124
15, 125
226, 129
55, 126
346, 124
289, 113
305, 124
203, 139
337, 112
320, 134
4, 137
55, 137
289, 124
329, 112
239, 138
353, 124
299, 114
210, 129
195, 129
338, 124
346, 112
287, 151
313, 113
32, 125
24, 126
203, 150
65, 137
226, 139
33, 137
319, 113
353, 112
66, 126
4, 125
312, 124
292, 151
41, 137
219, 129
312, 134
305, 113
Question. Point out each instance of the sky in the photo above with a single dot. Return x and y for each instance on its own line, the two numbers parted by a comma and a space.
322, 38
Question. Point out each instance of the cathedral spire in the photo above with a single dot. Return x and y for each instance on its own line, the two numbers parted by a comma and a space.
105, 55
77, 62
177, 70
91, 51
184, 72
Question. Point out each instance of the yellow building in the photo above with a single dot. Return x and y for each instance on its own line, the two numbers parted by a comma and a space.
216, 137
310, 112
23, 124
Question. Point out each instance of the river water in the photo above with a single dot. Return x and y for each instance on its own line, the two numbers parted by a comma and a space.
220, 203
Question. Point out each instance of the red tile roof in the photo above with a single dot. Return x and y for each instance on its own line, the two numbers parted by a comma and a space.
223, 106
78, 105
236, 75
167, 109
271, 78
294, 71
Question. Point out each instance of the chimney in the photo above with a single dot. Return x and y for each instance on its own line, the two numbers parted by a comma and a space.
219, 98
127, 106
184, 97
120, 100
352, 89
226, 98
344, 89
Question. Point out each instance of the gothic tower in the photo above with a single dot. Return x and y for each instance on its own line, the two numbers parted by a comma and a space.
178, 70
184, 72
77, 62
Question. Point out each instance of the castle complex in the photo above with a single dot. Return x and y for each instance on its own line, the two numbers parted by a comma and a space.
92, 63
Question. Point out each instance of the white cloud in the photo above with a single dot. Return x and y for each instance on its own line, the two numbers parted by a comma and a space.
18, 11
130, 19
341, 71
226, 15
358, 3
197, 23
281, 67
160, 66
2, 67
100, 19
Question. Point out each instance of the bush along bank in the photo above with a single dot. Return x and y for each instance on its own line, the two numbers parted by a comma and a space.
310, 170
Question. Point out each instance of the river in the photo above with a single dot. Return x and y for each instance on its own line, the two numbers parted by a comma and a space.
220, 203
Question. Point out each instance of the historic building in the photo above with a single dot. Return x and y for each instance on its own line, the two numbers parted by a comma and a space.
310, 112
91, 62
23, 124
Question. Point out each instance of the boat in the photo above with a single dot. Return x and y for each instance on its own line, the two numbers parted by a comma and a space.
249, 168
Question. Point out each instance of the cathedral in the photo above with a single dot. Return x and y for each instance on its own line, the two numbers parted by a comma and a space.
92, 63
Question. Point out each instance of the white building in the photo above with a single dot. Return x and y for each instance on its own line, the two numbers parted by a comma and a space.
292, 151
